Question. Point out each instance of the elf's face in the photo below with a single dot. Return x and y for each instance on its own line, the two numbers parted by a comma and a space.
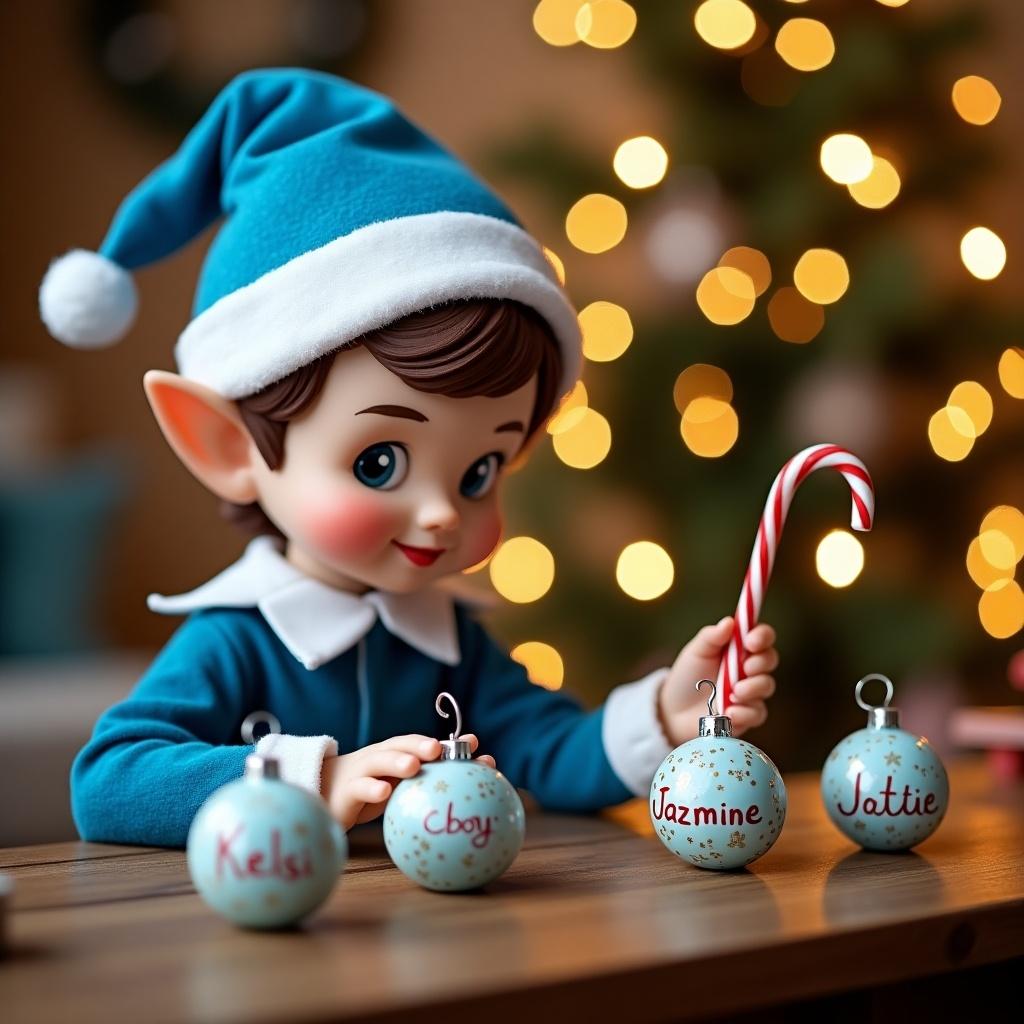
385, 487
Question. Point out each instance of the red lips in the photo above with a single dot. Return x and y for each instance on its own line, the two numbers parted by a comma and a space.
419, 556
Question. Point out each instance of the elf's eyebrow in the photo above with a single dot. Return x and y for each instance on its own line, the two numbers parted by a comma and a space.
401, 411
511, 425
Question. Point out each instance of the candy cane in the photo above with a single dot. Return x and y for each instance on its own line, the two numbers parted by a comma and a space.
766, 544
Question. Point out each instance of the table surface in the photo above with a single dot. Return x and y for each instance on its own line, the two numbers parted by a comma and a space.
594, 914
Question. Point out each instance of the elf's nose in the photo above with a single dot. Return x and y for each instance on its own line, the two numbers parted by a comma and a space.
437, 514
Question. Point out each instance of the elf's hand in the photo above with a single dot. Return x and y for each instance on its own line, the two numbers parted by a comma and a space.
679, 703
356, 786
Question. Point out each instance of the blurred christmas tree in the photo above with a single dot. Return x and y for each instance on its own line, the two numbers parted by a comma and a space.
787, 257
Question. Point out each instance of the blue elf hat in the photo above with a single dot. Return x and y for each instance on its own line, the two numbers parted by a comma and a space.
340, 216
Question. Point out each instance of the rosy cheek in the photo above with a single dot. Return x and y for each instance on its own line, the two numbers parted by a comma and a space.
348, 527
483, 536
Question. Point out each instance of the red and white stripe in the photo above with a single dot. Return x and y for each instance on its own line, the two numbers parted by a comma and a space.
793, 474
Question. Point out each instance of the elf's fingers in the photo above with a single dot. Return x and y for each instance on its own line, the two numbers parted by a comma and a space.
487, 759
753, 688
349, 800
426, 748
748, 716
760, 638
378, 762
709, 641
471, 739
766, 661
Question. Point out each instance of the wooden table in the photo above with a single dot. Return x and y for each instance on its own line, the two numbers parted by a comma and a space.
594, 921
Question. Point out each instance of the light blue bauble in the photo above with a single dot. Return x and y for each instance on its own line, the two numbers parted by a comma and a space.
456, 825
264, 853
717, 802
883, 787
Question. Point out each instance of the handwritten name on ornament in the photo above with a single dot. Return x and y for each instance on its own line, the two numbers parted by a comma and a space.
886, 808
478, 828
680, 813
288, 867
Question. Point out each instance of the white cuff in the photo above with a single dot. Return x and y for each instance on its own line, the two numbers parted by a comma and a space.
300, 757
631, 732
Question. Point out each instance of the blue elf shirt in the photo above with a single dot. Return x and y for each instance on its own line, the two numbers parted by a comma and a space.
339, 671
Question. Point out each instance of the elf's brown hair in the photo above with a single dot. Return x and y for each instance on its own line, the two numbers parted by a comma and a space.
459, 349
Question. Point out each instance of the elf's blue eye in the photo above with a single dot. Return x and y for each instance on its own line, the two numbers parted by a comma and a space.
480, 477
381, 466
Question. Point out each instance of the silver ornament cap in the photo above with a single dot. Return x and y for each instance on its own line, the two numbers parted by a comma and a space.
712, 724
454, 748
879, 716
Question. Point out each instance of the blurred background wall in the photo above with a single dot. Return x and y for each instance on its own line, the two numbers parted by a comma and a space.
95, 511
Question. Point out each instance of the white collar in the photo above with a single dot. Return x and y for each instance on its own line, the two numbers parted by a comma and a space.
317, 622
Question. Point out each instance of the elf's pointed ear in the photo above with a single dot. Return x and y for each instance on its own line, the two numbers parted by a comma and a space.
207, 434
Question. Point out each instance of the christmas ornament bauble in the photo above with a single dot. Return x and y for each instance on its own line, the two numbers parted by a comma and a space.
883, 787
264, 853
717, 801
456, 825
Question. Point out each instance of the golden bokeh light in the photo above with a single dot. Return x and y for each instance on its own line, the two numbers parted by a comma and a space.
606, 24
542, 662
879, 188
726, 295
709, 427
846, 158
586, 440
607, 331
640, 162
576, 399
976, 402
596, 223
752, 262
1001, 609
951, 434
522, 570
556, 263
976, 99
555, 21
644, 570
794, 318
701, 380
894, 3
1011, 372
839, 558
1008, 521
821, 275
805, 44
983, 573
983, 253
725, 24
997, 549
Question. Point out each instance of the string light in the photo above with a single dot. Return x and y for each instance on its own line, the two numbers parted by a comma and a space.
607, 331
640, 162
976, 99
1001, 609
701, 380
556, 262
976, 402
709, 427
565, 416
997, 549
726, 295
805, 44
839, 558
522, 570
894, 3
596, 223
1008, 521
821, 275
981, 571
1011, 372
879, 188
606, 24
951, 434
983, 253
644, 570
585, 441
794, 318
752, 262
846, 158
725, 24
555, 21
542, 662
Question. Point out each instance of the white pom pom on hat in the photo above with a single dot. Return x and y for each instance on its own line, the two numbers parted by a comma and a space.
86, 300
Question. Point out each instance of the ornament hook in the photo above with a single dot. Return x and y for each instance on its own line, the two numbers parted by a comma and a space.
874, 677
444, 714
259, 718
714, 694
